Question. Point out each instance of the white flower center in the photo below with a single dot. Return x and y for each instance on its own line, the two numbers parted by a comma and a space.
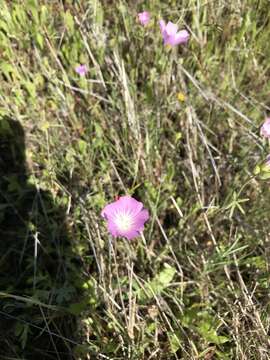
123, 221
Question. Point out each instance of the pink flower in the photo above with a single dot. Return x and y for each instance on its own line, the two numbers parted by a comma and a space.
125, 217
144, 18
265, 129
81, 70
170, 34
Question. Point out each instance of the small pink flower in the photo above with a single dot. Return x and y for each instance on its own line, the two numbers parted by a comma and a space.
170, 34
144, 18
265, 129
81, 70
125, 217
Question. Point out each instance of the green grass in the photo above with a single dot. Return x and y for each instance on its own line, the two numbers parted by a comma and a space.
197, 285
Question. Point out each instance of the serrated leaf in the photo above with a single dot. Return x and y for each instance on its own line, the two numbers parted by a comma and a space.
206, 326
209, 334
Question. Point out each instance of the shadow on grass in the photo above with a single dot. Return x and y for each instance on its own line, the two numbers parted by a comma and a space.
37, 265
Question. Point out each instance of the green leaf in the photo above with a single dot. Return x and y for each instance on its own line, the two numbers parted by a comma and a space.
82, 145
206, 327
64, 294
39, 40
30, 87
264, 176
257, 261
3, 26
69, 22
33, 6
256, 170
98, 14
78, 308
206, 330
8, 69
158, 284
174, 341
262, 171
204, 324
21, 331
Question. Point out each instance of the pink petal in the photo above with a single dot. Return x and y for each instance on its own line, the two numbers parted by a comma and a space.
81, 69
109, 211
138, 225
131, 234
112, 228
168, 40
171, 28
162, 25
180, 38
265, 129
140, 219
130, 204
144, 17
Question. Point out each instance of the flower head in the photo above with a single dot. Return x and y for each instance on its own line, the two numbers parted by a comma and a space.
125, 217
81, 69
144, 18
181, 97
171, 35
265, 129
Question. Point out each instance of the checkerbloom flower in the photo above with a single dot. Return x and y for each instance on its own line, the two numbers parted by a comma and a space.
171, 35
144, 18
81, 70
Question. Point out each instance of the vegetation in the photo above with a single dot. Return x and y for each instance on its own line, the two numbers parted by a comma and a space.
178, 129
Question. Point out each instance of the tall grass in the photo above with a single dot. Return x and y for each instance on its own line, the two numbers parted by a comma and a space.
196, 285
